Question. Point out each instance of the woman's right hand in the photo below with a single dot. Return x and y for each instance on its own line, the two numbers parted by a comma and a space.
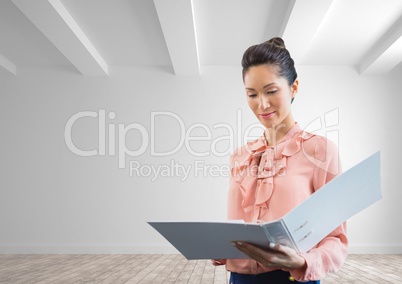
217, 262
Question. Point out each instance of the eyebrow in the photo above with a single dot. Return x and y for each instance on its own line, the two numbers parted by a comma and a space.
251, 89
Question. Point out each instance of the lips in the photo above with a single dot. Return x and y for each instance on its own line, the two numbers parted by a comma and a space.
266, 115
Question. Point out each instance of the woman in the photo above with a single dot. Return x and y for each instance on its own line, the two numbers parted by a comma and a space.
278, 171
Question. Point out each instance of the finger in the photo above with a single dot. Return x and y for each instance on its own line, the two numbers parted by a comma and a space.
275, 247
249, 248
281, 249
265, 257
218, 262
222, 261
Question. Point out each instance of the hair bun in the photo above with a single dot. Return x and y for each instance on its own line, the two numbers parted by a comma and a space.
277, 41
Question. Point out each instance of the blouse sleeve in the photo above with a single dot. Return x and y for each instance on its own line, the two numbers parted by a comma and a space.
329, 254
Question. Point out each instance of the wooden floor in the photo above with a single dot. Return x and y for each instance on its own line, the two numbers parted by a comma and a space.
93, 268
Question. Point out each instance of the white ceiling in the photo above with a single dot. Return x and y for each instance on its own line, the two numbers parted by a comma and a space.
93, 35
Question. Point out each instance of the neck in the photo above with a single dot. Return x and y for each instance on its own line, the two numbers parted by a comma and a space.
275, 134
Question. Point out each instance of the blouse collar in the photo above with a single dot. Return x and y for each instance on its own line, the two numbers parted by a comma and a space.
288, 146
261, 143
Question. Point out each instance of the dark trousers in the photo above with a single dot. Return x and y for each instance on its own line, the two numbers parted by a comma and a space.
274, 277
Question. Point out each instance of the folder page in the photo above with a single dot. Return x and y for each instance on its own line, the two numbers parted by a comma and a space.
334, 203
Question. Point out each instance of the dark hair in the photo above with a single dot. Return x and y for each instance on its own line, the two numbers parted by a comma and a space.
272, 52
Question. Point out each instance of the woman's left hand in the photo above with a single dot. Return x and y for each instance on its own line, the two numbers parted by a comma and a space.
277, 256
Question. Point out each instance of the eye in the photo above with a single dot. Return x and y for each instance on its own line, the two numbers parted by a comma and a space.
271, 92
252, 95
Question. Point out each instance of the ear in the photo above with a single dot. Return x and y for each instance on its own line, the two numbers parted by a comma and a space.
294, 88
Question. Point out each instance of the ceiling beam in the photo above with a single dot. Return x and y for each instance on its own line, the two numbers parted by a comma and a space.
178, 25
385, 54
8, 65
287, 17
57, 24
303, 19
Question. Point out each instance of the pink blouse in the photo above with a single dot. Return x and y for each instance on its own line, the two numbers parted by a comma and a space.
267, 182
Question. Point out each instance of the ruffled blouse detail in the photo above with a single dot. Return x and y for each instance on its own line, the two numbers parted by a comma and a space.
255, 170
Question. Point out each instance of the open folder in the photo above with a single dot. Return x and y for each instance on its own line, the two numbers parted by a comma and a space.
301, 229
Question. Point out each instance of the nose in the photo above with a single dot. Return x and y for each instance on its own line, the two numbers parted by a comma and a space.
264, 102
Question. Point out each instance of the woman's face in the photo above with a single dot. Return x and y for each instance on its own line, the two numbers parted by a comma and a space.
269, 96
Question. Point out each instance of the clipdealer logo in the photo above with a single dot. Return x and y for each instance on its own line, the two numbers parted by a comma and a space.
109, 132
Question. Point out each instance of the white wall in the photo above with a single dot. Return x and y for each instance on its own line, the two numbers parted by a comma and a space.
54, 201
